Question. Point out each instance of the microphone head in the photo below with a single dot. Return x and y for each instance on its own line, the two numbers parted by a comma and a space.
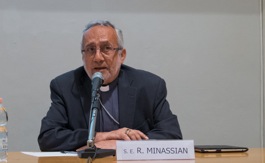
97, 81
97, 75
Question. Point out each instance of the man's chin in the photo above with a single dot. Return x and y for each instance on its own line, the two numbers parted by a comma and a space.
103, 71
107, 79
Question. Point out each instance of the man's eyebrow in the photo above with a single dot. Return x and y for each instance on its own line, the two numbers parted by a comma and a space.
89, 45
105, 42
100, 43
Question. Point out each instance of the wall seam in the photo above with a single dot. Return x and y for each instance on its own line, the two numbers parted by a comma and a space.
262, 73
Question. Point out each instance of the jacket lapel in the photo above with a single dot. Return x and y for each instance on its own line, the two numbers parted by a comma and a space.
82, 88
85, 97
127, 101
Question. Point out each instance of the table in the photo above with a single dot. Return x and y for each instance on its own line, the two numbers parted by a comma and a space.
254, 155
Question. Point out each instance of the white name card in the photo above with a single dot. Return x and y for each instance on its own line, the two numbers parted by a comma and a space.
155, 150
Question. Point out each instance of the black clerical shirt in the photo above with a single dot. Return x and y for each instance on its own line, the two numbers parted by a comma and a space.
109, 99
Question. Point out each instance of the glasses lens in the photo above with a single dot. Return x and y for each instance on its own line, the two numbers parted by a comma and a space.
90, 50
106, 49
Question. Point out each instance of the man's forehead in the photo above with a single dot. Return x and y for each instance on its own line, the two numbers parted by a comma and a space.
100, 30
100, 33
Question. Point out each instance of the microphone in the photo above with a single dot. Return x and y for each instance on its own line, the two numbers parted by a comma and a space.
97, 81
92, 151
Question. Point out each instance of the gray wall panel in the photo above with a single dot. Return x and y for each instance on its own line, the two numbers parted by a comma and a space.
208, 51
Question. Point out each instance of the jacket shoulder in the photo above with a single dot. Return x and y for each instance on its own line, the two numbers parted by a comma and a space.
79, 72
70, 78
139, 76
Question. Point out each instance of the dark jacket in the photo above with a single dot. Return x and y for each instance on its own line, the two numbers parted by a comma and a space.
142, 106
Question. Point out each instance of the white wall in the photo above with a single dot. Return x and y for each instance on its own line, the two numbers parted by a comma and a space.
208, 51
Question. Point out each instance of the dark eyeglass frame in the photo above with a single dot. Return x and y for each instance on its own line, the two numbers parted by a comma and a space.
104, 49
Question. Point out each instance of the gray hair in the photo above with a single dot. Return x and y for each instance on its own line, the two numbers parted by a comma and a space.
107, 24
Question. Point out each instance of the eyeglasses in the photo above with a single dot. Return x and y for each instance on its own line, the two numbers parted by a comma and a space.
104, 49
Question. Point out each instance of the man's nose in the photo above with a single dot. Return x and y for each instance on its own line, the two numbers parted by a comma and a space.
98, 56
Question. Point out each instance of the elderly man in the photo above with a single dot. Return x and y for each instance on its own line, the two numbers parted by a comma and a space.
133, 102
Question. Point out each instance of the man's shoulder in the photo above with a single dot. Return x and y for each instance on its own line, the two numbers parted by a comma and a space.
139, 74
135, 71
72, 74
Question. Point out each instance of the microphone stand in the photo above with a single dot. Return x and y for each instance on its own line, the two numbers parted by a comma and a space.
92, 151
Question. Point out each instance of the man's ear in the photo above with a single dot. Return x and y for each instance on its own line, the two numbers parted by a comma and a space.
123, 55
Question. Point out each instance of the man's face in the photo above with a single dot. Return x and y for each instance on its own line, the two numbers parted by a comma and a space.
100, 37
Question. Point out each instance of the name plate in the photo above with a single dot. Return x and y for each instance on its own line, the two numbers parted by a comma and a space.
155, 150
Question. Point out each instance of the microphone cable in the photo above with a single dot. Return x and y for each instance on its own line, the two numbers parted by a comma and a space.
108, 113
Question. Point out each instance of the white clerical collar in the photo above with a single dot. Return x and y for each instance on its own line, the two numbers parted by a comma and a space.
110, 86
104, 88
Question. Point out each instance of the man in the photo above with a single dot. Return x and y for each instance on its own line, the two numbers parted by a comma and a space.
133, 102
